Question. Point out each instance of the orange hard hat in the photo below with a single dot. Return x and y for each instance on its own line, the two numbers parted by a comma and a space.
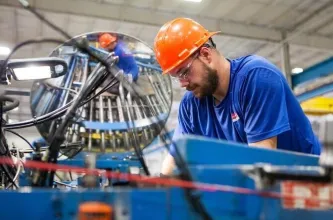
177, 40
106, 39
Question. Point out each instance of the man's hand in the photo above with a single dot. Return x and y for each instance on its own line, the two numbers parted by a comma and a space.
168, 165
270, 143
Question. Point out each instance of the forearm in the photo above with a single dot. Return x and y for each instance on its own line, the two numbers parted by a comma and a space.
168, 165
270, 143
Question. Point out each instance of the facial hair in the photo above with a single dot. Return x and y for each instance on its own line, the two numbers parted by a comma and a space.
208, 85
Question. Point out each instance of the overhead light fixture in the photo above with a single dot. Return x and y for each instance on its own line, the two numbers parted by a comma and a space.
297, 70
33, 72
197, 1
4, 51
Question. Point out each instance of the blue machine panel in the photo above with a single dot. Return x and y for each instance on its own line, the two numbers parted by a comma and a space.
223, 168
122, 126
195, 149
105, 161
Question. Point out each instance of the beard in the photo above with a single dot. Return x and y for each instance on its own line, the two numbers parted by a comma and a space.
208, 85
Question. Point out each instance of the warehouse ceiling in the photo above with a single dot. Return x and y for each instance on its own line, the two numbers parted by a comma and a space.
247, 26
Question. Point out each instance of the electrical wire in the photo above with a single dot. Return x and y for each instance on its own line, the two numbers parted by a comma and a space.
18, 169
61, 88
179, 161
95, 79
20, 136
56, 113
8, 172
86, 49
167, 182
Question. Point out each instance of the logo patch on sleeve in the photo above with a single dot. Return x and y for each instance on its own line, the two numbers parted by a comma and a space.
234, 117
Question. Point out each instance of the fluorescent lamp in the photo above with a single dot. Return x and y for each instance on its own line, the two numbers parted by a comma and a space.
4, 51
297, 70
193, 1
33, 72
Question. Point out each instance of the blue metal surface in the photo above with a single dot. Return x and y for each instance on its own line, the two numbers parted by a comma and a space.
221, 167
114, 161
221, 152
319, 70
122, 126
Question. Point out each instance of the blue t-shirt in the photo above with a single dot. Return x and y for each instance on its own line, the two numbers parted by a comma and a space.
126, 61
259, 105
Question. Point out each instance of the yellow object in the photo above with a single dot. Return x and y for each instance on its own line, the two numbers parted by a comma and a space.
318, 106
106, 135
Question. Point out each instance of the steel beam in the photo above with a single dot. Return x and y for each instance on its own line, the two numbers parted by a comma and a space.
111, 11
319, 70
315, 92
285, 60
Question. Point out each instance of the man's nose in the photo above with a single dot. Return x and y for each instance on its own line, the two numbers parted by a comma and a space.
184, 82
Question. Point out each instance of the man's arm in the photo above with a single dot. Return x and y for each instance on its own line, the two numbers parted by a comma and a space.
168, 165
264, 107
183, 127
270, 143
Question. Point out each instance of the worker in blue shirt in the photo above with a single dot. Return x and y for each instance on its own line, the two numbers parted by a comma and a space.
245, 100
126, 61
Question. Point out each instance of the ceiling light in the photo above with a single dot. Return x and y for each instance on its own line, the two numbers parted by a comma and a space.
193, 0
297, 70
33, 72
4, 50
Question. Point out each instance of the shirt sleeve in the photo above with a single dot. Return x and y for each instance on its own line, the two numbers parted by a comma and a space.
264, 104
127, 62
134, 70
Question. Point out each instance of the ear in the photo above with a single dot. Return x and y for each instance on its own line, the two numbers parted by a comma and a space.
206, 54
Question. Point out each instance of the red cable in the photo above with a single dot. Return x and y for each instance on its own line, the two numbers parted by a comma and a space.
161, 181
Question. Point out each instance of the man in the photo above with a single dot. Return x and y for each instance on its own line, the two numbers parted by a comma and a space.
126, 60
245, 100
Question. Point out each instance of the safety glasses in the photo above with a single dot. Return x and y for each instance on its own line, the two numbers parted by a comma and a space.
183, 73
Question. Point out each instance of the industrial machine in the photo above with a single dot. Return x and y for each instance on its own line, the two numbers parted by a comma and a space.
95, 122
101, 123
266, 185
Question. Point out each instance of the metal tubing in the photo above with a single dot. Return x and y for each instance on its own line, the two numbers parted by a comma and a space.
101, 119
90, 119
112, 138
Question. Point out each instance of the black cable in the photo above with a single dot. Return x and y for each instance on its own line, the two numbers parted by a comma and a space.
56, 113
96, 78
17, 134
1, 116
9, 176
83, 47
179, 161
14, 103
4, 145
9, 172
